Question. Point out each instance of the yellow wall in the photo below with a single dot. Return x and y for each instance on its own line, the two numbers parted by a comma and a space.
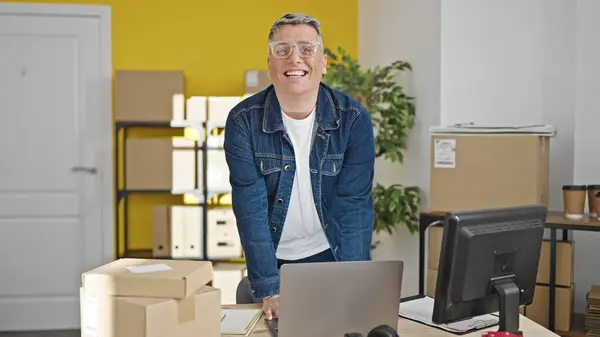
213, 42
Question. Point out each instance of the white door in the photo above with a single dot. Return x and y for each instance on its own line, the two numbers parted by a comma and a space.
56, 214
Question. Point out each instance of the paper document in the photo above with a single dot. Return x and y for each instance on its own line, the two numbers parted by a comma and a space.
239, 321
421, 310
149, 268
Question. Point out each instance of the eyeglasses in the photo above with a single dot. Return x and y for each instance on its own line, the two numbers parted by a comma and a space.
282, 50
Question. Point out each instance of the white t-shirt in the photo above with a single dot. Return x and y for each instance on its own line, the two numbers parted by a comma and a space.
302, 234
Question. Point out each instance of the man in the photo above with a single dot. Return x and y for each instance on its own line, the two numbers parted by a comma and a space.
301, 160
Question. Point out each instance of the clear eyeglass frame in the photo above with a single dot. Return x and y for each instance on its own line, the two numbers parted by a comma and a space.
300, 46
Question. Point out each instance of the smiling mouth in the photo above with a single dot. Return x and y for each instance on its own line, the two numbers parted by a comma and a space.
295, 73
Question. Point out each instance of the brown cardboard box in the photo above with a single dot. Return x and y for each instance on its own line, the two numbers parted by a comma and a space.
148, 164
538, 310
156, 164
149, 95
564, 263
148, 278
434, 247
431, 282
477, 171
256, 81
113, 316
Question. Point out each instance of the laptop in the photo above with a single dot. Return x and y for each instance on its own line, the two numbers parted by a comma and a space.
324, 299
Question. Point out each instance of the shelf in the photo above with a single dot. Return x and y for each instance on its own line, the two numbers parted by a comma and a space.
198, 195
192, 197
169, 124
125, 193
147, 254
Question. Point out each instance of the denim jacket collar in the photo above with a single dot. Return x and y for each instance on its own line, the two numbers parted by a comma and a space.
326, 118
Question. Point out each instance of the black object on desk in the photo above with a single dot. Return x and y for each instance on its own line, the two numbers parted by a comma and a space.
488, 263
379, 331
555, 221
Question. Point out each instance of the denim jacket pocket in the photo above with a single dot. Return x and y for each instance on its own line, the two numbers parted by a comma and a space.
270, 169
268, 165
332, 165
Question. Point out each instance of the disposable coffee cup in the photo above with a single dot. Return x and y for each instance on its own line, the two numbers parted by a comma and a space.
592, 191
597, 204
574, 200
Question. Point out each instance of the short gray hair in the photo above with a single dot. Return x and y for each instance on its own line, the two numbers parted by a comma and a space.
295, 19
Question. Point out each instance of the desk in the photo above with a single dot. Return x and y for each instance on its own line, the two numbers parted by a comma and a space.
554, 221
557, 221
407, 328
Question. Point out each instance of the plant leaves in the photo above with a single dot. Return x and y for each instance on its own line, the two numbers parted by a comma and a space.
393, 115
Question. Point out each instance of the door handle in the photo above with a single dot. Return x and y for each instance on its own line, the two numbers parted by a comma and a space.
85, 169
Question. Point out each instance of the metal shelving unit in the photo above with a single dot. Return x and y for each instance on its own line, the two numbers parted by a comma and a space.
200, 192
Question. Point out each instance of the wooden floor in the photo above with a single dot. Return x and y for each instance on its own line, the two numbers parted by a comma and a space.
64, 333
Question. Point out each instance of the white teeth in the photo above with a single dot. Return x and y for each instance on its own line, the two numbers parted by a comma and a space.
295, 73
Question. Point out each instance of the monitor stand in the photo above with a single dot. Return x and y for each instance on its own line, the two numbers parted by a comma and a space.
509, 296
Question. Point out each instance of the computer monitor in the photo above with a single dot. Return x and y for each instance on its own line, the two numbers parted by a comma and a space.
488, 263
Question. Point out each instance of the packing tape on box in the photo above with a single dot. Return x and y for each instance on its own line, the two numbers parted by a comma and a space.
186, 309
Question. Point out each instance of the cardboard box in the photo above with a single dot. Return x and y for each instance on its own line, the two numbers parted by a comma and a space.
538, 310
159, 164
434, 246
148, 278
113, 316
223, 239
149, 95
431, 282
471, 171
564, 263
256, 81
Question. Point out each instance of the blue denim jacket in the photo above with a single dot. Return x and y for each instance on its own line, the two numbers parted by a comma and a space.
261, 164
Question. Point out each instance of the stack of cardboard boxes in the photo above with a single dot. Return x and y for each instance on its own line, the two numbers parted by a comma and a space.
433, 261
144, 298
151, 96
477, 168
592, 312
565, 288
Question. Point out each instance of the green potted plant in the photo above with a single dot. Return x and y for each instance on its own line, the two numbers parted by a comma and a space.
393, 116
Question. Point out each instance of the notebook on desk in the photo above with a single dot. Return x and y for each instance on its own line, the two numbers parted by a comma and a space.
421, 310
239, 321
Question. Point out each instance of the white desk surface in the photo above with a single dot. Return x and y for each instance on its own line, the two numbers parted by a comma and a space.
407, 328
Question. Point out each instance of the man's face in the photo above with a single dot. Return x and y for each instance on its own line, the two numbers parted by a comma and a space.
296, 59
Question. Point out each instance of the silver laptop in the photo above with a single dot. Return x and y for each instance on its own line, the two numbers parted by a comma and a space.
326, 299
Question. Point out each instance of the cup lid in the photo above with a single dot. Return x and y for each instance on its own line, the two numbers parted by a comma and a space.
593, 187
575, 187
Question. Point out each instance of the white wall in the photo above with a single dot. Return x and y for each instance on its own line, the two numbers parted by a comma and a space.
587, 135
407, 30
493, 62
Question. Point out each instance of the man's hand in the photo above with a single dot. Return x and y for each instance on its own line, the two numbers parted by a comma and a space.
271, 307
